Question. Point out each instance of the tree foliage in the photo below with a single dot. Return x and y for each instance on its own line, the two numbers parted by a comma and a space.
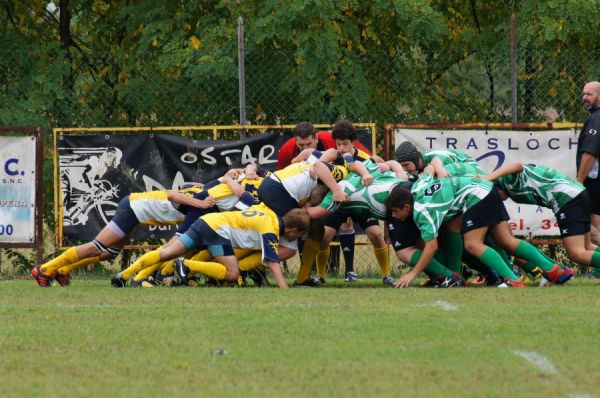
141, 62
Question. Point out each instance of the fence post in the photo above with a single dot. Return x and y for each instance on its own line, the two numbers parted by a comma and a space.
513, 67
241, 74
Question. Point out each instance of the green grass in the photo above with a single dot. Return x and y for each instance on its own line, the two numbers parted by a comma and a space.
93, 340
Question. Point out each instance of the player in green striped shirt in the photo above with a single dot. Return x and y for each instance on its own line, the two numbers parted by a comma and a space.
432, 202
568, 199
414, 161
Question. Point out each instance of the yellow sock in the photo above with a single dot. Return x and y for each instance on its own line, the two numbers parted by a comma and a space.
68, 257
146, 272
168, 268
141, 263
250, 262
203, 255
309, 254
208, 268
382, 255
66, 270
322, 260
241, 253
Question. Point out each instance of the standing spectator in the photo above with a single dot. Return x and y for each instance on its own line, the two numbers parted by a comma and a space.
306, 136
588, 151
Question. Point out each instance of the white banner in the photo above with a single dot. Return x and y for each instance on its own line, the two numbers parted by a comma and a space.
494, 148
17, 189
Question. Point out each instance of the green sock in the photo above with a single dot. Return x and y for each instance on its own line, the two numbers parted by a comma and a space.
433, 269
596, 261
492, 259
529, 253
454, 249
503, 253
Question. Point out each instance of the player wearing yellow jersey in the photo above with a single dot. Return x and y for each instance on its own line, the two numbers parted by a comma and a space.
148, 208
236, 190
257, 228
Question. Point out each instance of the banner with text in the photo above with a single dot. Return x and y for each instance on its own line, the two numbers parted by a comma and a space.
97, 170
494, 148
17, 189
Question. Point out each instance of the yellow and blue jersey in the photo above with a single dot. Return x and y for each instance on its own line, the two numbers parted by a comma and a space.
226, 200
298, 179
154, 208
256, 228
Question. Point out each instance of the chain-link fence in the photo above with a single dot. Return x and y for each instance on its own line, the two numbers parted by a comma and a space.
53, 89
42, 88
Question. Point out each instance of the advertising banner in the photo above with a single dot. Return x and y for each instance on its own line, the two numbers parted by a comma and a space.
17, 189
494, 148
98, 170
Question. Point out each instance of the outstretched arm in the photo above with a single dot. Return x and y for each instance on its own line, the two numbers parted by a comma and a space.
361, 170
428, 252
305, 154
440, 171
397, 169
511, 168
277, 274
236, 188
177, 197
325, 176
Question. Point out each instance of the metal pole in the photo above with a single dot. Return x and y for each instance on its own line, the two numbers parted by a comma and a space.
242, 79
513, 67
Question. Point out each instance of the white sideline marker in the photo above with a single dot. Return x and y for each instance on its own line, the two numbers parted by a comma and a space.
446, 306
541, 362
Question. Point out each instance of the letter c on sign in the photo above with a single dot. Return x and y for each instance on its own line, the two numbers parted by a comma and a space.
7, 168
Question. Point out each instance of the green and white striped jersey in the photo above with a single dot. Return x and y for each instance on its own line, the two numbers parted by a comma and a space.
369, 200
542, 186
439, 200
447, 156
464, 169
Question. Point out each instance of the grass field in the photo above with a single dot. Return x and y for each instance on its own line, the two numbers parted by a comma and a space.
93, 340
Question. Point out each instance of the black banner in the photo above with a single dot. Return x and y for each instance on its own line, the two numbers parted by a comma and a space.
97, 170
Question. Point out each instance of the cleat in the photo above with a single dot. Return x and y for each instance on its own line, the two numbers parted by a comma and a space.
318, 280
454, 280
134, 283
258, 277
518, 283
117, 281
388, 281
164, 280
42, 279
147, 284
351, 277
429, 283
182, 271
565, 277
536, 273
307, 283
554, 274
63, 280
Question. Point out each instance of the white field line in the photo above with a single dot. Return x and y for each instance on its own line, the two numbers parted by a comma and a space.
446, 306
541, 362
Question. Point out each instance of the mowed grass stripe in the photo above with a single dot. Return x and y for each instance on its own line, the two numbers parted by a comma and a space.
93, 340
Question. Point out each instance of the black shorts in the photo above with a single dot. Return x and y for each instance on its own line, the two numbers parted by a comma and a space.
403, 234
489, 211
336, 219
124, 217
272, 193
593, 187
201, 236
574, 217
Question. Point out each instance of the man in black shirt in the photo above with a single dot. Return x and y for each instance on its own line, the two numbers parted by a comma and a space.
588, 152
